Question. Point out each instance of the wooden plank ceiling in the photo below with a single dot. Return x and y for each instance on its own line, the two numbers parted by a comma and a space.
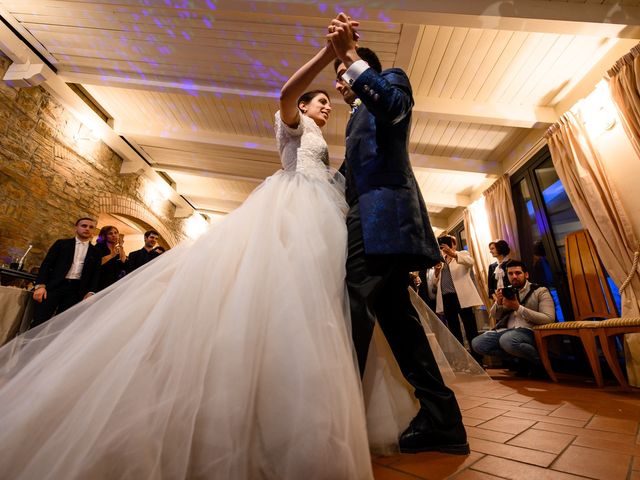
193, 85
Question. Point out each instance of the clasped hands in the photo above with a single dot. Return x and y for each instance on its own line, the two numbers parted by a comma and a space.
342, 38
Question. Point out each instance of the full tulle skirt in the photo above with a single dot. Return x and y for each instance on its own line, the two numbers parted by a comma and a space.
227, 358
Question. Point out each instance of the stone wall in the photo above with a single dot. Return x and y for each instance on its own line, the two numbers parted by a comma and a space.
50, 176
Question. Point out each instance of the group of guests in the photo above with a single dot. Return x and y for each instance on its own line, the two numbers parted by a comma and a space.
517, 304
74, 269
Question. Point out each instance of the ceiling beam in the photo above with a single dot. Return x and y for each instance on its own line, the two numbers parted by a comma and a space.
559, 17
445, 200
204, 172
521, 116
156, 136
501, 114
593, 19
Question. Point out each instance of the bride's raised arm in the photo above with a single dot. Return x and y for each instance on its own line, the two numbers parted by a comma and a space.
300, 80
298, 83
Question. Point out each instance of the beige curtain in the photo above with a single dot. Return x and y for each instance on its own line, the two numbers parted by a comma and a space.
597, 205
624, 85
478, 238
501, 215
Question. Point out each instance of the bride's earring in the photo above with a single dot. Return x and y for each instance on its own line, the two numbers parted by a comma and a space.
304, 110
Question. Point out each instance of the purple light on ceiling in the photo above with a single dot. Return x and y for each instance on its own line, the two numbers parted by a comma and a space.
186, 35
250, 145
207, 22
211, 5
322, 7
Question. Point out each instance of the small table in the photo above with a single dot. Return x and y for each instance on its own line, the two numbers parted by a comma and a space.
16, 308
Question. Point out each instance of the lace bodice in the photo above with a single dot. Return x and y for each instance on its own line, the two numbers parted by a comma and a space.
302, 149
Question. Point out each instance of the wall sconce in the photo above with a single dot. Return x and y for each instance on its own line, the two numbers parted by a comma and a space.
86, 134
195, 226
597, 112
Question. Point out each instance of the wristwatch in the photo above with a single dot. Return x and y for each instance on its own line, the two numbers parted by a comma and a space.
40, 285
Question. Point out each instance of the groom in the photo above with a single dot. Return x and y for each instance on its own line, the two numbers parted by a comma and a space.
389, 234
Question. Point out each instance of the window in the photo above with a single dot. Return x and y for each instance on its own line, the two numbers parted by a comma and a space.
545, 216
461, 236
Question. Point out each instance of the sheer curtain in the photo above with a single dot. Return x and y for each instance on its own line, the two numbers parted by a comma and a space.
501, 215
478, 238
624, 85
597, 205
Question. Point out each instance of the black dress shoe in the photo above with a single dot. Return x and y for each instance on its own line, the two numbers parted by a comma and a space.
418, 437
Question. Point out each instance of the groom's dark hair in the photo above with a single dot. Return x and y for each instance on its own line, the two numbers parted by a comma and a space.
365, 54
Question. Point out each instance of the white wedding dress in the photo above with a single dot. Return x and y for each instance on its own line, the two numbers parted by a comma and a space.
229, 358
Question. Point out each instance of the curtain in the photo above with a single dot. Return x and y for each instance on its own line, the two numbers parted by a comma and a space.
597, 205
501, 215
478, 238
624, 85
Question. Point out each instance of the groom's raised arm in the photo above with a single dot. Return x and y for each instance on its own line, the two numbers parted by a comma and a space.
386, 95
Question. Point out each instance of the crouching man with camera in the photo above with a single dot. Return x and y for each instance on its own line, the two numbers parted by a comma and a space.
518, 307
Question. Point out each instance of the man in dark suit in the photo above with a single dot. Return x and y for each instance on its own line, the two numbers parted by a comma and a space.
145, 254
68, 274
389, 234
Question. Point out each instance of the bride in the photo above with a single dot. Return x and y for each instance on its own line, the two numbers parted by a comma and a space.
229, 358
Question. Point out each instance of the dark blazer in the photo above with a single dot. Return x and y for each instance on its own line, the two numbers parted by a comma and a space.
57, 262
392, 211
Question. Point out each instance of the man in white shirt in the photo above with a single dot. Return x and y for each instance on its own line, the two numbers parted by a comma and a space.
68, 274
516, 311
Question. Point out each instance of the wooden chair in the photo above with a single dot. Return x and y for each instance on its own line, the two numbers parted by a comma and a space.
607, 331
591, 300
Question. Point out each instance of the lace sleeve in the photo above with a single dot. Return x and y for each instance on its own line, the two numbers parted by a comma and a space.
284, 132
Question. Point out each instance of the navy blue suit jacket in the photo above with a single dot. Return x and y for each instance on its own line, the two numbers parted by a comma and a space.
392, 211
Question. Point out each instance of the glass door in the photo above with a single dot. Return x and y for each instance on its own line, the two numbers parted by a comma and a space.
545, 217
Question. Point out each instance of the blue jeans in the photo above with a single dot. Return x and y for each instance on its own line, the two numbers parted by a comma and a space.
517, 342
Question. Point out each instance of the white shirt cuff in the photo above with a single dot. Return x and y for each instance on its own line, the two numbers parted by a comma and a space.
354, 71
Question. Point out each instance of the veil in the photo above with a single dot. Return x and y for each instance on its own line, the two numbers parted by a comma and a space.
389, 400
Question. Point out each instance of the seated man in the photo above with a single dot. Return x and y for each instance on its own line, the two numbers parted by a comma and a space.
517, 309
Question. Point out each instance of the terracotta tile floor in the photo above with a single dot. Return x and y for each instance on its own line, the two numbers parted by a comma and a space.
525, 429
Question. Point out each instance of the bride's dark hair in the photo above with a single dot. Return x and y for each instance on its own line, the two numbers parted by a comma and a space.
306, 97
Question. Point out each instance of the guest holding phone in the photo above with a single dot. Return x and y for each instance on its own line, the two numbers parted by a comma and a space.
456, 292
114, 258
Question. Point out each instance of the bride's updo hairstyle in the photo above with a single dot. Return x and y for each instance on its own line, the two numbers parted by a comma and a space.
308, 96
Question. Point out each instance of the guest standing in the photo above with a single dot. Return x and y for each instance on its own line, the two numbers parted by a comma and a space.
456, 292
497, 270
113, 256
146, 253
68, 274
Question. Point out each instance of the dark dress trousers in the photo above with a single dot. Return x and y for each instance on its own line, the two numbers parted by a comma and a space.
389, 234
61, 292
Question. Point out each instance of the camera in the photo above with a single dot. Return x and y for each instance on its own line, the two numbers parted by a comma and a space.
509, 292
446, 240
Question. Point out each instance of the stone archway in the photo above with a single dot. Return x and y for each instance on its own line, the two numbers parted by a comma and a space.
121, 205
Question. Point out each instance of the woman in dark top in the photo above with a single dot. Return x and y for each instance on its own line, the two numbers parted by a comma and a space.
113, 256
497, 270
